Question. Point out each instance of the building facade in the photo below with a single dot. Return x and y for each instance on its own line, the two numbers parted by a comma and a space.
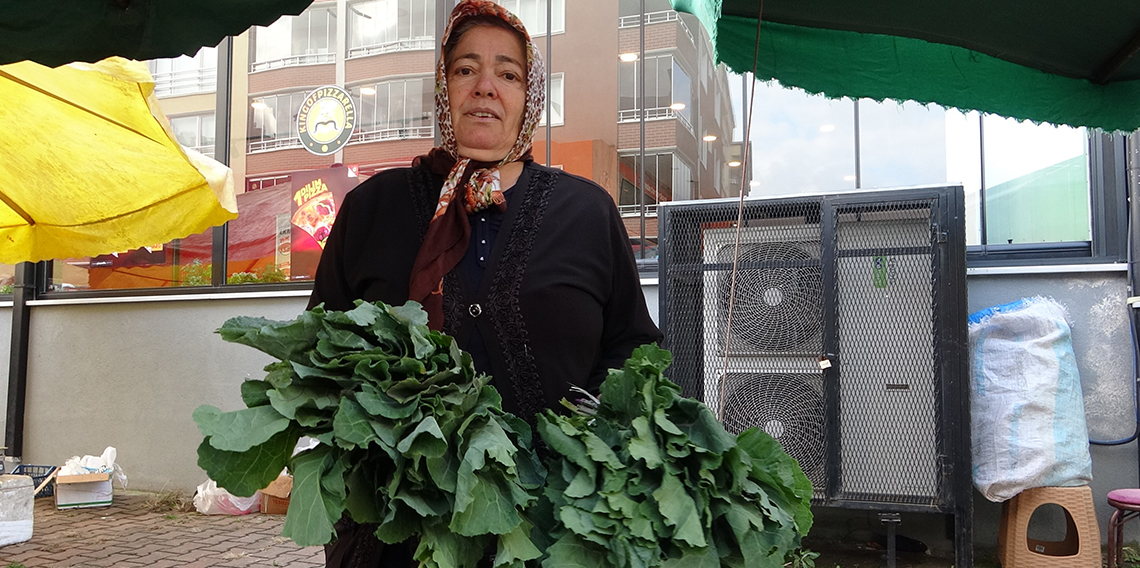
383, 53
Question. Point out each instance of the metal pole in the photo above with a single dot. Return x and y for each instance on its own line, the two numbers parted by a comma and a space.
223, 113
442, 11
549, 103
744, 80
641, 120
23, 290
858, 173
982, 179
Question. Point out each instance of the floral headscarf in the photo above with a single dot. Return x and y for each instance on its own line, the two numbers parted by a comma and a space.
477, 184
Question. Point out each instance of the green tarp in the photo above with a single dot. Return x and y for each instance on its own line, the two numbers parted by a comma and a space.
1040, 61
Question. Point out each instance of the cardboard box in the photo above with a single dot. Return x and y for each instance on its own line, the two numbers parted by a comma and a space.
275, 498
87, 490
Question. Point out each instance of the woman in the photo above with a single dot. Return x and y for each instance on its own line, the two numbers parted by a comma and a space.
528, 267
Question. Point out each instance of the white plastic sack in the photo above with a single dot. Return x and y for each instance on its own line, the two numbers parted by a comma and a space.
1027, 411
103, 463
213, 500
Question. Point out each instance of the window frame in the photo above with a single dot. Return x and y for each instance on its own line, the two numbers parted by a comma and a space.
166, 83
412, 42
532, 30
326, 57
201, 131
1108, 204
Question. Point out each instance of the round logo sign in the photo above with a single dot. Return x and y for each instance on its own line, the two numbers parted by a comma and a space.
326, 120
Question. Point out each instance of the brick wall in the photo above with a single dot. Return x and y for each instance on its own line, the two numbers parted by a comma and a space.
284, 161
657, 36
658, 134
386, 152
633, 227
389, 65
292, 78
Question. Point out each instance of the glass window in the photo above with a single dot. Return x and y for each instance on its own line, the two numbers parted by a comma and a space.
682, 92
662, 173
532, 13
1034, 177
174, 263
659, 88
306, 39
632, 7
800, 143
273, 121
185, 75
181, 262
964, 165
683, 181
556, 101
1036, 182
195, 132
379, 26
7, 278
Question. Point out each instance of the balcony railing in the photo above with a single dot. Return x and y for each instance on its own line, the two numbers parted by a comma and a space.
650, 18
293, 61
415, 44
656, 18
659, 113
635, 210
275, 144
393, 134
415, 132
207, 151
186, 82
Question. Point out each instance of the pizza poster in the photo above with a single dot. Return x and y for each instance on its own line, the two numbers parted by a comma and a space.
317, 196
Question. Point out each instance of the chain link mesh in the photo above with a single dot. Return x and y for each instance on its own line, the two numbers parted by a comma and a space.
752, 352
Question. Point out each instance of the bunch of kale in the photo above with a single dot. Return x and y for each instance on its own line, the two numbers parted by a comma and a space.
650, 478
411, 439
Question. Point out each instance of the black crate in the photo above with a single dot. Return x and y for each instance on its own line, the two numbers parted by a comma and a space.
38, 473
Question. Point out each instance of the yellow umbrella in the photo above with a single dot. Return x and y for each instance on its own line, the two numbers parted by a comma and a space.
89, 165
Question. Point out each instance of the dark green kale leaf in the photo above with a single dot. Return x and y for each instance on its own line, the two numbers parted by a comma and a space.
411, 439
649, 478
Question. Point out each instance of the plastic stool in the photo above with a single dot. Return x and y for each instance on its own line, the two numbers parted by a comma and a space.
1127, 503
1081, 547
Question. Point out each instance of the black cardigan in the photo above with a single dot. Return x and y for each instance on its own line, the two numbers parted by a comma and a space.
560, 301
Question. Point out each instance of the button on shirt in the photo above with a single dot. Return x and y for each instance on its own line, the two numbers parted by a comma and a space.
485, 227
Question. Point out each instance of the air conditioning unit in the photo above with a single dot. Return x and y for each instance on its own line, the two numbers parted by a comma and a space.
767, 328
836, 324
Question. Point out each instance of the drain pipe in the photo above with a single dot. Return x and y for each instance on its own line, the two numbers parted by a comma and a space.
23, 290
1132, 142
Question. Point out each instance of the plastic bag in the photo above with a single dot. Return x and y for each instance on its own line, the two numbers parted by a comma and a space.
1027, 411
213, 500
103, 463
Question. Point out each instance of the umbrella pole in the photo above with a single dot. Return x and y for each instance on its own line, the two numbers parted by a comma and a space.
744, 157
23, 290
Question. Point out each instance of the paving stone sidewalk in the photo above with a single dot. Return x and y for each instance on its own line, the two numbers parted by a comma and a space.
127, 535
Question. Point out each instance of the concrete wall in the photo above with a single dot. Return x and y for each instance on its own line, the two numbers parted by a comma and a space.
1098, 316
131, 374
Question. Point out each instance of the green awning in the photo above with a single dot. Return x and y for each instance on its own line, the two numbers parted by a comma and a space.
57, 32
1045, 61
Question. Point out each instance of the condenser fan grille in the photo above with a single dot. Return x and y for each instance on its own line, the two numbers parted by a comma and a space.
778, 305
788, 408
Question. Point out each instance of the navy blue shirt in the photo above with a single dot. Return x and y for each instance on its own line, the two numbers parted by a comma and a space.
485, 227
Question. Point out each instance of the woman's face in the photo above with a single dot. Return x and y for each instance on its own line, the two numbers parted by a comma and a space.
486, 87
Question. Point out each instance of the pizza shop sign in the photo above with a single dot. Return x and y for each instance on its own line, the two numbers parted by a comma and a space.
326, 120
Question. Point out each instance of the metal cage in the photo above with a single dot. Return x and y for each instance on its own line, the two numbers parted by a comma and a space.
842, 334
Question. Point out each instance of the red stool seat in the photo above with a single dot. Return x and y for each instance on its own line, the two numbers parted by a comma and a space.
1124, 498
1127, 504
